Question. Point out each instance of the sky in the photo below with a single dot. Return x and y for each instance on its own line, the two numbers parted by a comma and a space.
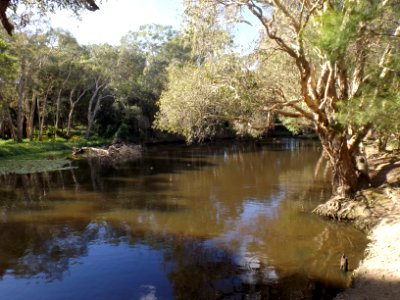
116, 17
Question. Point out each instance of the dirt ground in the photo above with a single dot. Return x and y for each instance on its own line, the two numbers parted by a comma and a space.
378, 276
376, 211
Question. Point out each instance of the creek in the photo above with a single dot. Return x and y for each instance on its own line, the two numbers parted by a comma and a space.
224, 221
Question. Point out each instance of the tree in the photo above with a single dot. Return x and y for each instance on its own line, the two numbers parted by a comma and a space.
338, 51
200, 100
102, 61
8, 72
141, 75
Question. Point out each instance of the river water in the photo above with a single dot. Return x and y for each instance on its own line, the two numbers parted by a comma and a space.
228, 221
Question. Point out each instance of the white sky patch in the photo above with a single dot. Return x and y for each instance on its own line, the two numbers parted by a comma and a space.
116, 17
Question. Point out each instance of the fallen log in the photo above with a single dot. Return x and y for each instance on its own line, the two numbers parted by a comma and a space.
116, 152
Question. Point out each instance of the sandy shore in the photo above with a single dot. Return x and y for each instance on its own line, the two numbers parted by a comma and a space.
378, 276
376, 211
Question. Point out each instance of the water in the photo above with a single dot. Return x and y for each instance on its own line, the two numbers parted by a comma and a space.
211, 222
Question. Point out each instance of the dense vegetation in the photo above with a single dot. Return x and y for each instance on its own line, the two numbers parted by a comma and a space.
331, 65
52, 86
323, 65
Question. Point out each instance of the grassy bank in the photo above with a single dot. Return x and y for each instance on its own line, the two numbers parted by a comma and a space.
31, 157
35, 150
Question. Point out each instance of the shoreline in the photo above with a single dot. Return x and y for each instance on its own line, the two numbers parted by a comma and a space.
375, 211
378, 276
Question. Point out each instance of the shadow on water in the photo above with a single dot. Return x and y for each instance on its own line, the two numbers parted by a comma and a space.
210, 222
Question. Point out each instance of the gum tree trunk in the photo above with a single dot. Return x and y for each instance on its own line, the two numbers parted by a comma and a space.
345, 175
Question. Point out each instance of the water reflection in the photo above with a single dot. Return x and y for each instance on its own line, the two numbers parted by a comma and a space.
210, 222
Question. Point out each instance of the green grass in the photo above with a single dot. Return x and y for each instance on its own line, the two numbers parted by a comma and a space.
35, 150
31, 157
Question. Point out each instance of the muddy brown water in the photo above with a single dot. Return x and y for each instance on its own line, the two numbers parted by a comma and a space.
228, 221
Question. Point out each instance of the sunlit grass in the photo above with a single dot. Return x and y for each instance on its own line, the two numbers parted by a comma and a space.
52, 149
34, 156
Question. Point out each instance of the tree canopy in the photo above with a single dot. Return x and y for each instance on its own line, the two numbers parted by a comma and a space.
333, 65
323, 65
50, 84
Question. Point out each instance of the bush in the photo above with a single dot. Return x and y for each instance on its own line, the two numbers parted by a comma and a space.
122, 134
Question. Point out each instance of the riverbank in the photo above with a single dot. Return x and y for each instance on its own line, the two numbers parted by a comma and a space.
375, 211
34, 156
378, 276
49, 149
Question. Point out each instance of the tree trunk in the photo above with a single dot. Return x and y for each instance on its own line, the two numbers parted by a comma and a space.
90, 124
20, 105
42, 117
58, 104
94, 103
72, 104
345, 175
70, 114
93, 113
7, 122
32, 117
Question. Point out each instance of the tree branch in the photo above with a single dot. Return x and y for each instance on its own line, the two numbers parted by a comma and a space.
295, 24
3, 17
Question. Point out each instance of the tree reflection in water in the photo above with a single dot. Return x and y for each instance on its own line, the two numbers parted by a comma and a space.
218, 222
196, 269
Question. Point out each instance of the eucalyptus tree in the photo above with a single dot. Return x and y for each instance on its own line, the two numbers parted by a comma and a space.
79, 87
159, 46
102, 61
201, 100
8, 71
139, 77
68, 59
343, 55
31, 52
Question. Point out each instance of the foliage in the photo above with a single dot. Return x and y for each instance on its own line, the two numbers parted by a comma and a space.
202, 100
7, 61
330, 65
204, 32
51, 84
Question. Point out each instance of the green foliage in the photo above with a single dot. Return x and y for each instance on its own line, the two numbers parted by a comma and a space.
205, 33
201, 99
380, 109
122, 133
62, 77
138, 80
7, 62
134, 127
377, 102
335, 29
